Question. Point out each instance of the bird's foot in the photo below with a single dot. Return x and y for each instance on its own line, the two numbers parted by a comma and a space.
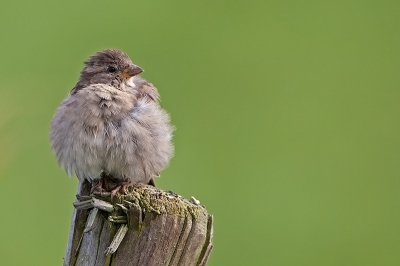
122, 188
97, 186
109, 186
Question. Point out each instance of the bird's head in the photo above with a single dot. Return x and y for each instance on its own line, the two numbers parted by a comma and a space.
111, 66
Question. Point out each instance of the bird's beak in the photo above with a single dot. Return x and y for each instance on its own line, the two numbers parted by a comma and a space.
131, 71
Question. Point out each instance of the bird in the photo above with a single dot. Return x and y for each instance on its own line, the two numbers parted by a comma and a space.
111, 125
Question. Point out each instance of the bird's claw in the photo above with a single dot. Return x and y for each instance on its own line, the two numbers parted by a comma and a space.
122, 188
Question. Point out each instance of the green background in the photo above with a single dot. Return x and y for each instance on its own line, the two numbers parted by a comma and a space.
287, 116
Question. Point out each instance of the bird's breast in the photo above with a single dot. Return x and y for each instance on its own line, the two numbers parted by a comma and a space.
106, 103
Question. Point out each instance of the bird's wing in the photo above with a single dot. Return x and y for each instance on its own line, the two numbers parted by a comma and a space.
146, 90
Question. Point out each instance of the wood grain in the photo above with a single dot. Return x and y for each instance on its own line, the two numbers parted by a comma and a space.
163, 228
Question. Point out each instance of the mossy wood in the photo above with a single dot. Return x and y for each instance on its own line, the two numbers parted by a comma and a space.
147, 226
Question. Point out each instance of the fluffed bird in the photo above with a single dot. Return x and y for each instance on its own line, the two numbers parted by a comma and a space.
111, 125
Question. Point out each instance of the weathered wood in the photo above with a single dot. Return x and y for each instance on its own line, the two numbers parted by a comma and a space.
147, 226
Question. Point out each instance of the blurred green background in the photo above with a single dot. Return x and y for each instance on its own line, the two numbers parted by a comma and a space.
287, 116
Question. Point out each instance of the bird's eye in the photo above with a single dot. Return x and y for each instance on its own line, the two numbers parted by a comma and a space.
111, 69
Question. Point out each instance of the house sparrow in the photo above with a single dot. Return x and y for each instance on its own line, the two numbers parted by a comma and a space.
111, 125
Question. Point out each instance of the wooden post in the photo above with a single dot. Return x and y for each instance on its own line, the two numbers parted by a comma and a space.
147, 226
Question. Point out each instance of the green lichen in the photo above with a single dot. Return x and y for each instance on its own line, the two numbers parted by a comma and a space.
161, 202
